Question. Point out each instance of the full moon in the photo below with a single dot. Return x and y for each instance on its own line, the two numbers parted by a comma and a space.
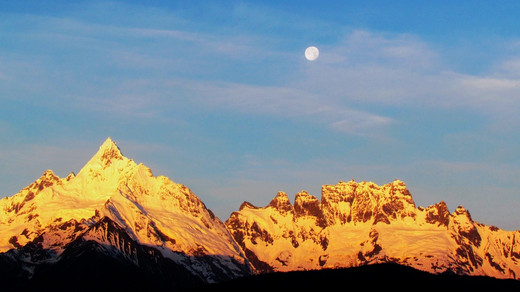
312, 53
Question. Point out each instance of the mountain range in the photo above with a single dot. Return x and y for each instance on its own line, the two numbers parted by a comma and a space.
362, 223
116, 224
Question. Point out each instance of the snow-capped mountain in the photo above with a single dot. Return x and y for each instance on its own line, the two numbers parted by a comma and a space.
362, 223
115, 220
116, 207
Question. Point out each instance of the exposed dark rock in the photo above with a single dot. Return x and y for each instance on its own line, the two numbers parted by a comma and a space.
113, 261
257, 232
438, 214
281, 203
248, 205
308, 205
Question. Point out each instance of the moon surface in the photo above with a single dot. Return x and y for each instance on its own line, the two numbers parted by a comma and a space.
312, 53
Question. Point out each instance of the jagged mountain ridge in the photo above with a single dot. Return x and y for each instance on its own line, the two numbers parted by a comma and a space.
116, 218
362, 223
126, 212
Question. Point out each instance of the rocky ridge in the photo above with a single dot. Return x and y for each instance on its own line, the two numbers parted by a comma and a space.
362, 223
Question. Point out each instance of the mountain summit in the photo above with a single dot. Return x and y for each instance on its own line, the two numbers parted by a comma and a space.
108, 151
117, 209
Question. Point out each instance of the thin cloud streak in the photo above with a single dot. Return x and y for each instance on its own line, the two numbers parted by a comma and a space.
365, 68
286, 102
373, 69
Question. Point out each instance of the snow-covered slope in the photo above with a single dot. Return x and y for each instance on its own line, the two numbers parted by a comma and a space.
115, 202
116, 213
362, 223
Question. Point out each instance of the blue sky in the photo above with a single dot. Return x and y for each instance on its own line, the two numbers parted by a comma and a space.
219, 97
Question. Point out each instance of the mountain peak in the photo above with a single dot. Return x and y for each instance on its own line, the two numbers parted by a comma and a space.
49, 175
281, 202
110, 146
108, 151
48, 178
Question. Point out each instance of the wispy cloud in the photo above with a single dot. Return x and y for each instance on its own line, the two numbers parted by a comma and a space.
379, 69
287, 102
495, 94
145, 69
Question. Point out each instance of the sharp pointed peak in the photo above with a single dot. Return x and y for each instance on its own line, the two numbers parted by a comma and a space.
109, 149
48, 178
107, 156
281, 202
48, 173
304, 195
246, 204
108, 152
281, 194
109, 143
70, 176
